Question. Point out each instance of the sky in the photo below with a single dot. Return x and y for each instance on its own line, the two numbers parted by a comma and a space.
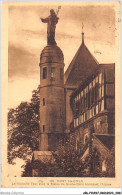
27, 36
16, 169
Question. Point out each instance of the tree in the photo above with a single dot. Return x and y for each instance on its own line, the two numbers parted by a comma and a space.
66, 163
23, 139
23, 129
111, 163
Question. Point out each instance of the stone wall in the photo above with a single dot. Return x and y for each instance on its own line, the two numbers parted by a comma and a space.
101, 124
68, 109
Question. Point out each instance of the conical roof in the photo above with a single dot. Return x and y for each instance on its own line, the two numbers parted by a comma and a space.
81, 67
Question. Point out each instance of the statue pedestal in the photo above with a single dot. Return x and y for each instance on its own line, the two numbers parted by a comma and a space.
42, 155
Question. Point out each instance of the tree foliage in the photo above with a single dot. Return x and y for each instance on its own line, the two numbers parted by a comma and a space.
66, 163
23, 139
23, 129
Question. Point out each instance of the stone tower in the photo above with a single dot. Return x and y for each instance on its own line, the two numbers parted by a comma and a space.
52, 104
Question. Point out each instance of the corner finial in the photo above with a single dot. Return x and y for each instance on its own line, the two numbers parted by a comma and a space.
82, 34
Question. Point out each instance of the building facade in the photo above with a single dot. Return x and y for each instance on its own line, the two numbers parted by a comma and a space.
78, 105
90, 112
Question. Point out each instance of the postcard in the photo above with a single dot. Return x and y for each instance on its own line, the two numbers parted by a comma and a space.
60, 94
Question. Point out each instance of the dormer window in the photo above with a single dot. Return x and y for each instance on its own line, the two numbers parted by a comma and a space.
44, 72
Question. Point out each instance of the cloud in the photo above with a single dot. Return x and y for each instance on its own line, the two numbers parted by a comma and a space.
21, 62
20, 89
31, 32
28, 36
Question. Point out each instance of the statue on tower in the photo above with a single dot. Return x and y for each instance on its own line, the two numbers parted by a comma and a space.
51, 21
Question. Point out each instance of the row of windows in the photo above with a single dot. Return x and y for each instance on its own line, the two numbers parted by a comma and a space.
89, 96
96, 83
53, 73
79, 119
89, 99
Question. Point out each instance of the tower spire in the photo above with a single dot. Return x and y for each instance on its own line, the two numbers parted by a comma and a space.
82, 34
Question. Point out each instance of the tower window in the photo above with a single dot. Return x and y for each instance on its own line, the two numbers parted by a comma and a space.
45, 73
43, 101
89, 100
53, 73
61, 73
43, 128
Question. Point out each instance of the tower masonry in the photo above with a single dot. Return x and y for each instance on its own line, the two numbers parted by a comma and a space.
52, 111
52, 105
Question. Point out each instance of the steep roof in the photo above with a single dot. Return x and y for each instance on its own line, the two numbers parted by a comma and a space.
100, 68
107, 140
81, 67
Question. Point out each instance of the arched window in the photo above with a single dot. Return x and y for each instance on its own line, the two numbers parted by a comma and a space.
86, 138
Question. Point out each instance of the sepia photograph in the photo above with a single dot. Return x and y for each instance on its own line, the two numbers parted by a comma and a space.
62, 79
